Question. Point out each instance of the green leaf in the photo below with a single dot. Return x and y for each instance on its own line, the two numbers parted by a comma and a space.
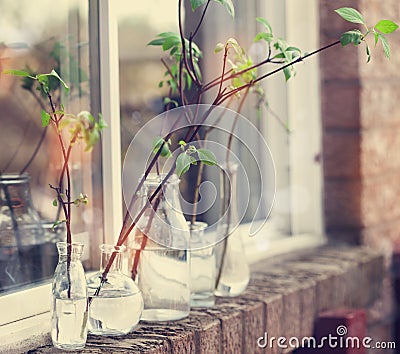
155, 42
45, 119
368, 53
386, 26
228, 5
279, 56
55, 203
58, 222
44, 80
170, 42
219, 47
265, 36
183, 163
376, 34
101, 122
207, 157
157, 143
351, 37
18, 73
288, 73
293, 49
265, 23
351, 15
54, 73
168, 100
197, 3
385, 45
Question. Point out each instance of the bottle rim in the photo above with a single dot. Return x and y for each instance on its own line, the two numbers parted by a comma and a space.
14, 178
110, 248
154, 179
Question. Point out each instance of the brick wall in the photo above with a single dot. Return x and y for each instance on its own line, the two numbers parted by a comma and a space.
361, 131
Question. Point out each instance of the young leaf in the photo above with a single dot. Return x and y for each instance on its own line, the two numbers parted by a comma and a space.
158, 41
385, 45
368, 53
376, 35
228, 5
54, 73
168, 100
170, 42
265, 36
55, 203
157, 143
351, 15
183, 163
288, 73
386, 26
45, 119
351, 37
265, 23
58, 222
219, 47
17, 73
197, 3
207, 157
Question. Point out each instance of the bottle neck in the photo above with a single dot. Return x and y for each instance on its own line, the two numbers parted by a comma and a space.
107, 252
75, 250
229, 194
169, 193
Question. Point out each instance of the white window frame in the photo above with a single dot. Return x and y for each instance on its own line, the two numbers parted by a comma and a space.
31, 307
302, 106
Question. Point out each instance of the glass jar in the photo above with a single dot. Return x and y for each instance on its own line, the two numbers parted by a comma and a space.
233, 273
21, 234
159, 254
117, 308
69, 312
202, 267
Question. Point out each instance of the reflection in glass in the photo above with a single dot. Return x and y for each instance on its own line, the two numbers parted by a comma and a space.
39, 42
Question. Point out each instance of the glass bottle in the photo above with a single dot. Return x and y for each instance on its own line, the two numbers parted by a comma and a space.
117, 309
202, 267
233, 273
69, 312
159, 252
21, 234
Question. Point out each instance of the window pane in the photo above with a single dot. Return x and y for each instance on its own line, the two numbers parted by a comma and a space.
45, 39
140, 66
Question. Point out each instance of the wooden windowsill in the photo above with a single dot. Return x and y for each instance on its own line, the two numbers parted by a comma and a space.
283, 298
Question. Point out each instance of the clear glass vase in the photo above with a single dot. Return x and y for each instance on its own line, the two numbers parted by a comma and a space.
233, 273
69, 311
117, 308
159, 256
21, 233
202, 267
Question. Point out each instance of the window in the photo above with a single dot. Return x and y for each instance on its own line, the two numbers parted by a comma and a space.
297, 208
44, 40
124, 76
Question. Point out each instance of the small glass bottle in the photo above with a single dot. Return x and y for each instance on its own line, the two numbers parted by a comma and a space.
202, 267
69, 312
21, 234
117, 309
159, 252
233, 273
